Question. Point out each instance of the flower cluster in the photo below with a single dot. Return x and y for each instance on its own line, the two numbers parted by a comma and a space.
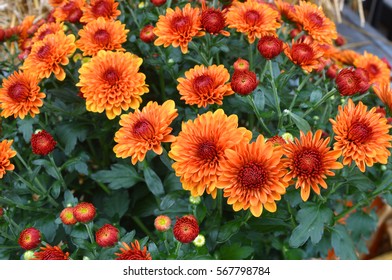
139, 105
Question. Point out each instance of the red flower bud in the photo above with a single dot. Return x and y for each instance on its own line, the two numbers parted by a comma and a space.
270, 46
340, 41
29, 238
107, 235
186, 229
67, 216
42, 143
84, 212
212, 20
244, 82
158, 3
146, 34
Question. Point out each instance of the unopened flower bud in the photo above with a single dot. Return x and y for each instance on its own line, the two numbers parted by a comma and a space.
288, 137
199, 241
195, 200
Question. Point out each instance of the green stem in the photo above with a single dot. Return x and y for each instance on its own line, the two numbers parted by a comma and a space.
90, 233
262, 75
60, 177
275, 93
219, 202
178, 248
321, 101
250, 56
143, 227
256, 111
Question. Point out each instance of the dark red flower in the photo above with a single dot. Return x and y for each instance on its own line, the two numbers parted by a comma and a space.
244, 82
42, 143
158, 3
340, 41
84, 212
363, 80
50, 253
270, 46
213, 21
2, 34
107, 235
186, 229
147, 35
67, 216
29, 238
350, 81
1, 212
332, 71
277, 140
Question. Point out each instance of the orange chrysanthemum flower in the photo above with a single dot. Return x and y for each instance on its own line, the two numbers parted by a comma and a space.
46, 29
178, 27
100, 8
286, 9
253, 19
111, 82
305, 53
346, 57
205, 85
133, 252
384, 92
101, 35
25, 26
361, 135
20, 95
6, 153
200, 148
48, 55
252, 176
313, 20
145, 130
51, 253
310, 161
70, 10
377, 69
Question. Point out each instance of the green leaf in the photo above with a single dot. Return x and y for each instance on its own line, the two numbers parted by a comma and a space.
342, 243
170, 199
311, 219
47, 227
300, 122
386, 183
360, 181
116, 204
69, 133
50, 169
388, 198
25, 127
153, 182
119, 176
235, 251
56, 189
201, 212
77, 164
228, 230
69, 199
259, 99
316, 95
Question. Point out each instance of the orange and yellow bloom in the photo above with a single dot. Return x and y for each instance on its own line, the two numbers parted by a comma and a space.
205, 85
310, 160
6, 153
111, 82
252, 176
378, 70
361, 135
178, 27
133, 252
313, 20
145, 130
107, 9
48, 56
199, 150
101, 35
20, 95
252, 18
384, 92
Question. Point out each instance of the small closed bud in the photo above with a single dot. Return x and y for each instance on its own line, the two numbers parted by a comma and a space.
241, 64
340, 41
199, 241
28, 255
195, 200
288, 137
162, 223
277, 140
